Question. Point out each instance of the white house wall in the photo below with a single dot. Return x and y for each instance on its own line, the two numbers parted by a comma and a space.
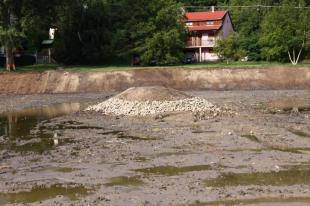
204, 36
227, 26
207, 56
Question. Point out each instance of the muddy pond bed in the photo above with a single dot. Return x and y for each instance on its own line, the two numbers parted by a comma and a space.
52, 152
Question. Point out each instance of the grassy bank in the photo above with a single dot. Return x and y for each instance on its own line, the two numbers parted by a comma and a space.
219, 65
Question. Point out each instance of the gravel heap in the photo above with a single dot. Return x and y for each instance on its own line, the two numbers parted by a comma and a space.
118, 105
155, 93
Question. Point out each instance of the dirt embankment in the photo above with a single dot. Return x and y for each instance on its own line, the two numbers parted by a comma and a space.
215, 79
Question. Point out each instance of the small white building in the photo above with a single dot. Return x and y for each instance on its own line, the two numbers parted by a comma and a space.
204, 29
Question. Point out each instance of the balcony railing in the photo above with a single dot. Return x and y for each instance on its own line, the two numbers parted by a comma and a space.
201, 43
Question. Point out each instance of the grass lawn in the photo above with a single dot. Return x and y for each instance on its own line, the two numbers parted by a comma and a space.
211, 65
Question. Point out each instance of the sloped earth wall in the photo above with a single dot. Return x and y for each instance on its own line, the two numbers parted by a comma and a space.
183, 79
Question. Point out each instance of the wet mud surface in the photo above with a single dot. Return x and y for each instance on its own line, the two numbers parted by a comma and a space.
60, 155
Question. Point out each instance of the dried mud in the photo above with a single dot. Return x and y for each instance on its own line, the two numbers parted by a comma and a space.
60, 155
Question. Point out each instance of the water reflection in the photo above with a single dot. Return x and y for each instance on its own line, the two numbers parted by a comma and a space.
294, 176
41, 193
21, 130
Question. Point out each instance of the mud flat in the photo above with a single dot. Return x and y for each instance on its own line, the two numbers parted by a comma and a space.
61, 155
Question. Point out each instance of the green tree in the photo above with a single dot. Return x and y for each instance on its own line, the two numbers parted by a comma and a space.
285, 31
246, 22
23, 18
166, 42
152, 31
86, 32
10, 29
99, 31
228, 49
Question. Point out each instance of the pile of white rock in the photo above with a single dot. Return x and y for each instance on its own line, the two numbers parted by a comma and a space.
120, 107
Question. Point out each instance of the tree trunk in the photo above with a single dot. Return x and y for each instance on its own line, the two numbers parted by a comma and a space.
295, 60
10, 63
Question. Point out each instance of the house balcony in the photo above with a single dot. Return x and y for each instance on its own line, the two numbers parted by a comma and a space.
200, 43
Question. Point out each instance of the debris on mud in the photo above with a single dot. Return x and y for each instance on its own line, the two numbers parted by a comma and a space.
293, 105
143, 101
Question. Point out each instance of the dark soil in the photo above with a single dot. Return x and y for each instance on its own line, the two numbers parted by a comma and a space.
260, 155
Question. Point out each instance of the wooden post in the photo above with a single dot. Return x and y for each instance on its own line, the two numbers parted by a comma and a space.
199, 54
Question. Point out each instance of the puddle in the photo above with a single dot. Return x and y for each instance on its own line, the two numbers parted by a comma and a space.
74, 126
172, 170
82, 127
298, 132
295, 175
268, 201
112, 133
59, 169
124, 181
21, 130
167, 154
131, 137
296, 150
288, 105
202, 131
122, 135
41, 193
141, 159
251, 137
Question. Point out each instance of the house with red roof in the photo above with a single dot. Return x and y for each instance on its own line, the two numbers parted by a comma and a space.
204, 29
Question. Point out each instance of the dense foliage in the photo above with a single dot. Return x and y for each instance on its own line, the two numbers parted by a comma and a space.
109, 31
282, 36
100, 31
23, 24
273, 30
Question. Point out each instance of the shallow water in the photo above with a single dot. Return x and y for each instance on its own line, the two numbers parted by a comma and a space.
172, 170
124, 181
268, 201
293, 176
24, 130
41, 193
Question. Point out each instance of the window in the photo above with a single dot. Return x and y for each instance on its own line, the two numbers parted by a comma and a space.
210, 22
189, 24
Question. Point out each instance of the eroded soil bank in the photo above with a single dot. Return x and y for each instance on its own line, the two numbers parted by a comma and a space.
183, 79
258, 156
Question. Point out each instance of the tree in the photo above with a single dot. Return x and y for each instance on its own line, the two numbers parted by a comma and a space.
104, 31
86, 32
285, 31
228, 49
168, 36
10, 33
151, 30
247, 24
24, 18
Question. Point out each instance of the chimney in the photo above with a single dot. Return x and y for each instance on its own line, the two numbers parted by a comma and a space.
212, 8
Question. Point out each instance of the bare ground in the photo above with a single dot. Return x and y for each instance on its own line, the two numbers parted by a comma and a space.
259, 156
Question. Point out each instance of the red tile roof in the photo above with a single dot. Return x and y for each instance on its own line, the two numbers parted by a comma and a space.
209, 27
209, 15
